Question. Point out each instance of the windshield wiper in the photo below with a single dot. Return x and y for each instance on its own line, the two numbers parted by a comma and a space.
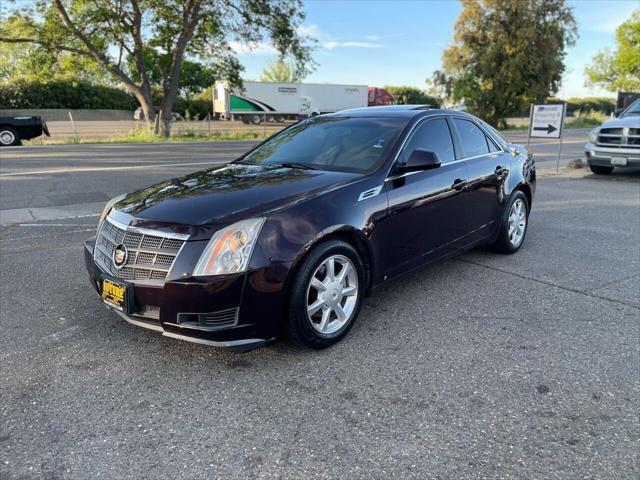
304, 166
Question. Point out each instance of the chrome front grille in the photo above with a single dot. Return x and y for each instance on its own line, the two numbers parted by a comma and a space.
619, 137
151, 254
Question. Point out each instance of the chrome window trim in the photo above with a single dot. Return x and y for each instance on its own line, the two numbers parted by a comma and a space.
450, 163
464, 159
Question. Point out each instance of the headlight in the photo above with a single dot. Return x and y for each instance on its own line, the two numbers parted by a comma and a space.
593, 135
229, 250
108, 207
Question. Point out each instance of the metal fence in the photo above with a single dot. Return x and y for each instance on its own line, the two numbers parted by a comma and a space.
88, 125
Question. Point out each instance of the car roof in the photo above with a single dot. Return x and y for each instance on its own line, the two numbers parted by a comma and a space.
397, 111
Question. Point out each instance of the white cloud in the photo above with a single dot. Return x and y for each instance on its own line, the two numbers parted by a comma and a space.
253, 48
374, 38
313, 31
328, 42
325, 41
333, 45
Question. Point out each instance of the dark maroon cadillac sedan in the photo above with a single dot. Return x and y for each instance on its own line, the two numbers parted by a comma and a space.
294, 234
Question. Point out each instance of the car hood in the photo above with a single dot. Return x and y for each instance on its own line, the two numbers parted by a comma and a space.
228, 192
632, 121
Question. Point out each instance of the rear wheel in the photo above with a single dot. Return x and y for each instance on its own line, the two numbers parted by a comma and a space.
8, 136
514, 223
256, 119
600, 170
327, 295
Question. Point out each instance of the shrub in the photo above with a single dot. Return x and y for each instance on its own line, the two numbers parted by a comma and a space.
197, 109
586, 119
25, 94
587, 104
406, 95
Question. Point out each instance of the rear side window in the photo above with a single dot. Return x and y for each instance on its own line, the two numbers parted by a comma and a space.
432, 135
474, 141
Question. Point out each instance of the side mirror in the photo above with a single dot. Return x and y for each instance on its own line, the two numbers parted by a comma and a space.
420, 159
617, 112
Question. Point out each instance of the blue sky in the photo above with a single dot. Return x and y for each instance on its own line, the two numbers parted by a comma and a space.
399, 42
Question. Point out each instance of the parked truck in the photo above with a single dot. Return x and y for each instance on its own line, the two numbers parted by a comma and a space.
15, 129
265, 101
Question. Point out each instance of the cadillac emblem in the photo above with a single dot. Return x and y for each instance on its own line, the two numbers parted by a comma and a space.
120, 255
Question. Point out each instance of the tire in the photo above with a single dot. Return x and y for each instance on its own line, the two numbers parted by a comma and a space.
256, 119
600, 170
508, 241
9, 137
314, 319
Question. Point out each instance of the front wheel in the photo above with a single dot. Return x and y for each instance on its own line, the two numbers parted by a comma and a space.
514, 223
600, 170
326, 295
8, 137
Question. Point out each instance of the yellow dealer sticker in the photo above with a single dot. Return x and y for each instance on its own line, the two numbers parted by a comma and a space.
114, 294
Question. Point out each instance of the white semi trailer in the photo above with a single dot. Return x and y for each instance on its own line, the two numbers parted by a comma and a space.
265, 101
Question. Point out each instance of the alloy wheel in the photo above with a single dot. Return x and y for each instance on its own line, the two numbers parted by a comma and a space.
7, 137
517, 222
332, 294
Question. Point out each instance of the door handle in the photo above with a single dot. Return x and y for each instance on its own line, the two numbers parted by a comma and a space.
458, 184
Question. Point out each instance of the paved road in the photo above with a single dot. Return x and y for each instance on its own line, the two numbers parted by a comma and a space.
54, 176
485, 366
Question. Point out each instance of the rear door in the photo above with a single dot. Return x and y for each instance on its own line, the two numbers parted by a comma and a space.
426, 208
487, 166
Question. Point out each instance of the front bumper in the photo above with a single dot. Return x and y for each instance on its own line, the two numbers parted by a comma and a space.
174, 309
601, 156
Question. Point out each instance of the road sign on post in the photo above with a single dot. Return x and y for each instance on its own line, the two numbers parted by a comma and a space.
547, 121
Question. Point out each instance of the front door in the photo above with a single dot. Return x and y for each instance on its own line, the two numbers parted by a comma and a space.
427, 210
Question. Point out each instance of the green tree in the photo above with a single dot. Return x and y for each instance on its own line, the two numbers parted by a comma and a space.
194, 76
508, 53
108, 31
33, 62
618, 69
279, 71
440, 86
406, 95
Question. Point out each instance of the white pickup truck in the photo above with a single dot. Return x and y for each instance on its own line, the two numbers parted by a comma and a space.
616, 143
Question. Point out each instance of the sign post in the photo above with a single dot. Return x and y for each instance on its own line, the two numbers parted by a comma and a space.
547, 121
530, 121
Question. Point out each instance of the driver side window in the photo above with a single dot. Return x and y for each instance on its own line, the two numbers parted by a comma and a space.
431, 135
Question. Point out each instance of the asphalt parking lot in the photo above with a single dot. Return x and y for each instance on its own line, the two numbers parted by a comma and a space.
484, 366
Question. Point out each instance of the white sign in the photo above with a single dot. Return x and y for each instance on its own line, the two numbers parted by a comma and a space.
546, 121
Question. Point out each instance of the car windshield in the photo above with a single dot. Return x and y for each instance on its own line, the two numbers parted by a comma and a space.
330, 143
634, 109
